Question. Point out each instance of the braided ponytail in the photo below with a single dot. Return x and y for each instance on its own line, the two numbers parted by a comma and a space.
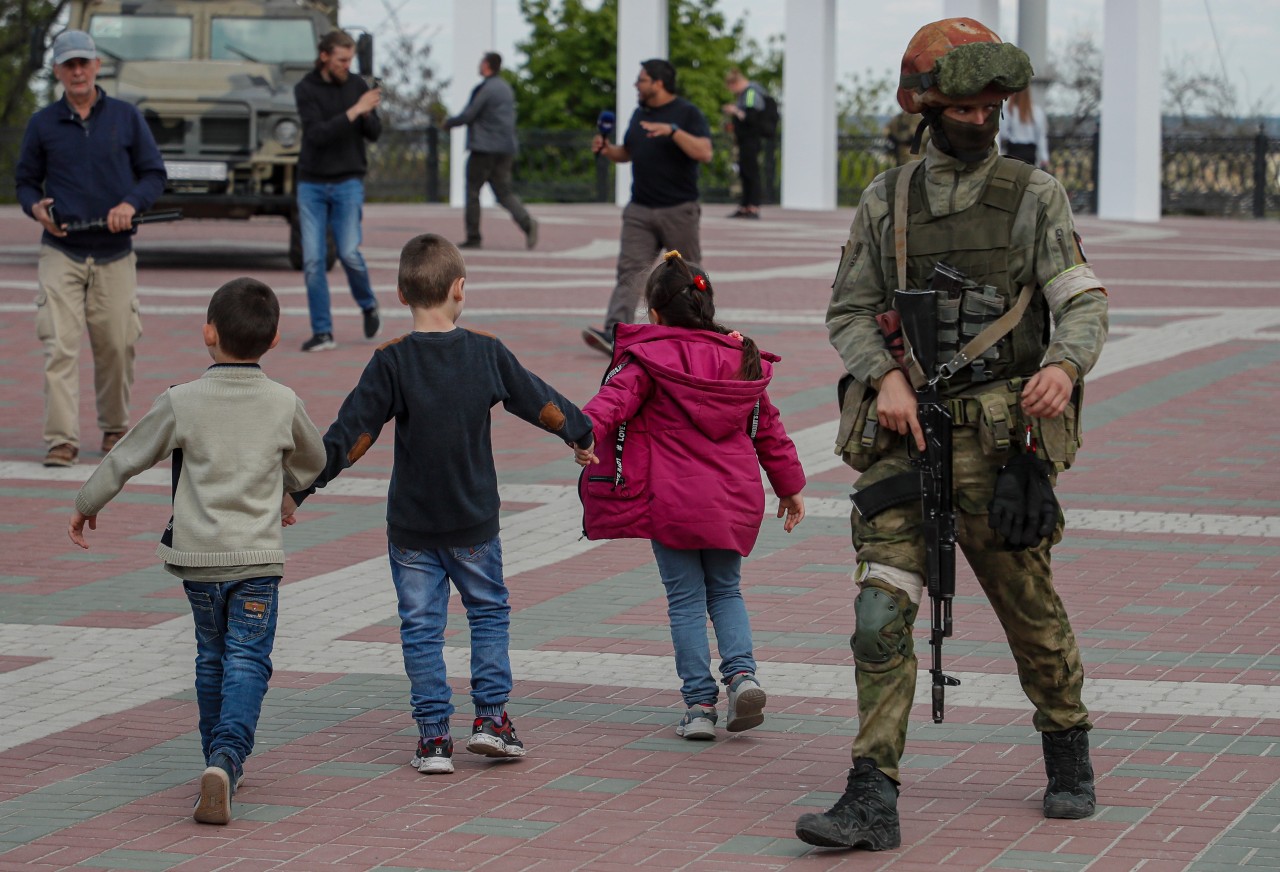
682, 293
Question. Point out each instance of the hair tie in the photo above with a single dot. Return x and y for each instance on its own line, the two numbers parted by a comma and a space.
670, 254
700, 282
734, 334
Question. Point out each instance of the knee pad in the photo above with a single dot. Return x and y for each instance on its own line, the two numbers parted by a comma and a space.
885, 616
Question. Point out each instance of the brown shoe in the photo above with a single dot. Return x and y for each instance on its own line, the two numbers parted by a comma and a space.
109, 440
62, 454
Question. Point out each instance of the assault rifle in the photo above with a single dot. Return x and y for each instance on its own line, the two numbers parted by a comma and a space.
920, 326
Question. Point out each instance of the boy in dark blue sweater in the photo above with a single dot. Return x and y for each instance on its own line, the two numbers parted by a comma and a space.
439, 383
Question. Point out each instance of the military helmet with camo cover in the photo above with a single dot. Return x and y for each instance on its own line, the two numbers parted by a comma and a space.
960, 62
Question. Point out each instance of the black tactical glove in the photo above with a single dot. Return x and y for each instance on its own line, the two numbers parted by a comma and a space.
1023, 509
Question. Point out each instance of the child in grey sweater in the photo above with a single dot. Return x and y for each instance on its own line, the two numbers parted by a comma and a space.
239, 441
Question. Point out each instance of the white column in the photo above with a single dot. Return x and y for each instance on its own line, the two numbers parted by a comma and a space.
642, 34
809, 105
1033, 38
473, 35
1129, 168
986, 11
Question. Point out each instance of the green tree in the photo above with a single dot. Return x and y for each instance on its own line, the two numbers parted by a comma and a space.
568, 77
25, 27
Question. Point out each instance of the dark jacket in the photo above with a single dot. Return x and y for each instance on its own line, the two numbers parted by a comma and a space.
89, 167
332, 145
439, 388
490, 116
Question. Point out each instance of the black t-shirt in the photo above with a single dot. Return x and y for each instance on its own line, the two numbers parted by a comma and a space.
662, 174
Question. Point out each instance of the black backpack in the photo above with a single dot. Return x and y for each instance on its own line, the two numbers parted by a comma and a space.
767, 122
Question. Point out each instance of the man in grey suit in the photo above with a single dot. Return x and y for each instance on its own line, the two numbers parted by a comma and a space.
490, 119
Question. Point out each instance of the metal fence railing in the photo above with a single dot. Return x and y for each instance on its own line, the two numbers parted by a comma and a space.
1201, 175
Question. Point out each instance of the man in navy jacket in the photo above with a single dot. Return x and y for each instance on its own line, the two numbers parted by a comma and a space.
86, 157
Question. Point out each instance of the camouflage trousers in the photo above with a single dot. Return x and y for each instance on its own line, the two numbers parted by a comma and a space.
1018, 584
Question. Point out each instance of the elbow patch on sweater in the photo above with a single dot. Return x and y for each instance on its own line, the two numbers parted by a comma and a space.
359, 448
551, 417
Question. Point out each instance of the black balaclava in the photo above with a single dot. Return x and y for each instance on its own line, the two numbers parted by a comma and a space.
969, 143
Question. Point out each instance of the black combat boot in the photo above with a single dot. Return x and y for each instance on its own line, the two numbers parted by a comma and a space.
1070, 792
865, 817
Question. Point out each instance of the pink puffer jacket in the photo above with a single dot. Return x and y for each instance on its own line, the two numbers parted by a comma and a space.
674, 429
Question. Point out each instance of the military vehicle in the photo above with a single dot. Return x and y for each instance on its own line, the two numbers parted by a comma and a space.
214, 79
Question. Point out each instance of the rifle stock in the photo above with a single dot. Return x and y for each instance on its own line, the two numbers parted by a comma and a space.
920, 326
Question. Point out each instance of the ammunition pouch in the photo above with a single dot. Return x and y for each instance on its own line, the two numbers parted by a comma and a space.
996, 412
860, 440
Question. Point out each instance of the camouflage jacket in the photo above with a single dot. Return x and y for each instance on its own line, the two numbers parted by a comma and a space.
1044, 251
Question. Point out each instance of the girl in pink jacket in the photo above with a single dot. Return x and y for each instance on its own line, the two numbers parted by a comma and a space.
682, 425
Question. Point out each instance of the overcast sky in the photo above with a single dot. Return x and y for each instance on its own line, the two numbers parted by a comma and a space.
872, 33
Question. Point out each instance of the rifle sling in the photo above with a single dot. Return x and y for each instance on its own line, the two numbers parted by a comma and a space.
994, 332
873, 499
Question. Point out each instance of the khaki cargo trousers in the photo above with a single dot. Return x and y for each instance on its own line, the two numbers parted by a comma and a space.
1018, 584
103, 298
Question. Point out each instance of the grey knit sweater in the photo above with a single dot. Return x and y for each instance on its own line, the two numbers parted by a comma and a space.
244, 441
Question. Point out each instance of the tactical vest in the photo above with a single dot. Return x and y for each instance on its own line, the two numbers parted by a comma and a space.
976, 241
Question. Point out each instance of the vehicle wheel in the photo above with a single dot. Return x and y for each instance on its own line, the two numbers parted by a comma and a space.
295, 246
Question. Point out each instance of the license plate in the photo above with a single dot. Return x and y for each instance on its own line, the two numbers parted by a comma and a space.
195, 171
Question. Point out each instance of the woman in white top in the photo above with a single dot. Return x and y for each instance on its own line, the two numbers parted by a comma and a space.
1024, 133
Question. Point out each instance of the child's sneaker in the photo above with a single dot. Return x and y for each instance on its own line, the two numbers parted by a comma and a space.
698, 723
746, 703
217, 785
434, 756
495, 740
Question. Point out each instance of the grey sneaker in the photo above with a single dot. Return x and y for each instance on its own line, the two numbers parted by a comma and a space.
531, 235
746, 703
698, 723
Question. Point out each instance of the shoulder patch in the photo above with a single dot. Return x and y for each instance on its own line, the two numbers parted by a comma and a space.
393, 341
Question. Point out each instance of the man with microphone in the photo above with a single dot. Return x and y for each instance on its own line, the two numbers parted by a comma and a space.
664, 142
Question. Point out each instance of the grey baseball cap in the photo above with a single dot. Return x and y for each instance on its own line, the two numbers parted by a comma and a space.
72, 44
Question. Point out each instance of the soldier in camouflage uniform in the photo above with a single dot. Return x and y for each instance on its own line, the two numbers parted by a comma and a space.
1005, 225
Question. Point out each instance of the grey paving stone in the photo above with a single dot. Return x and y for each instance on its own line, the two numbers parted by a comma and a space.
763, 846
143, 861
517, 829
1039, 861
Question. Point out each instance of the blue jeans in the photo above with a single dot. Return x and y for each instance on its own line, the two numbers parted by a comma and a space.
422, 591
337, 207
701, 583
235, 631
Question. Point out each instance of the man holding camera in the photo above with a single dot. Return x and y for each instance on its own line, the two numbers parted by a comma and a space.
87, 278
339, 114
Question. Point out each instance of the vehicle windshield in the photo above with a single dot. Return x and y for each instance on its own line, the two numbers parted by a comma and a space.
142, 37
267, 40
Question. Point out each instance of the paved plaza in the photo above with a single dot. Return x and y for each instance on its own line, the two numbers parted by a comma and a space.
1170, 570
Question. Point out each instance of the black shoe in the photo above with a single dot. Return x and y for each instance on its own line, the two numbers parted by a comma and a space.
600, 340
434, 756
372, 323
1070, 794
320, 342
495, 740
866, 816
531, 235
470, 243
745, 213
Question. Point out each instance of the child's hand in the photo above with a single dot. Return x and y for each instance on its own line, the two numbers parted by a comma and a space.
793, 507
287, 508
76, 528
584, 456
